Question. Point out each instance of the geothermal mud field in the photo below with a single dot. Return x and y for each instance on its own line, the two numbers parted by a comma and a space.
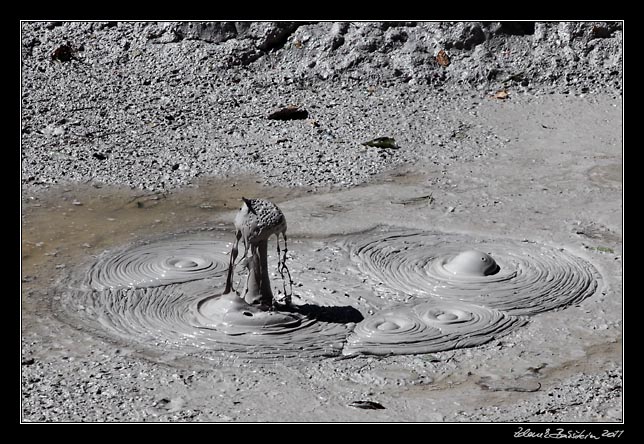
469, 270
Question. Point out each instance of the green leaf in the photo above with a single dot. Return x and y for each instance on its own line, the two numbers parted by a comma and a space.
382, 142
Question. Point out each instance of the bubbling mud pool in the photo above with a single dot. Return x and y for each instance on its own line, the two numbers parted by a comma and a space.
428, 326
159, 263
158, 294
387, 291
518, 277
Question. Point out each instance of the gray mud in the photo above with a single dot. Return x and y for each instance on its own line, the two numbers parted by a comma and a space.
147, 137
528, 278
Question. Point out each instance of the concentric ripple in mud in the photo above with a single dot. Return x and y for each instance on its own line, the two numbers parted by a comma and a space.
460, 291
531, 278
167, 318
160, 263
158, 294
428, 326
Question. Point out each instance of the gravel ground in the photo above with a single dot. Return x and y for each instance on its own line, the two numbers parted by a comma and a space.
513, 131
583, 396
156, 105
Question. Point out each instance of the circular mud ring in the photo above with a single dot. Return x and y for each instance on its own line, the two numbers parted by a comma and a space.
389, 332
230, 314
430, 326
391, 327
167, 318
469, 324
160, 263
531, 278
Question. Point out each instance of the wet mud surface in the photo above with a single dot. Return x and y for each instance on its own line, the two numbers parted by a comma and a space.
107, 322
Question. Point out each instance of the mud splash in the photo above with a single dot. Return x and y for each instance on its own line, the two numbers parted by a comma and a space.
254, 311
420, 291
153, 295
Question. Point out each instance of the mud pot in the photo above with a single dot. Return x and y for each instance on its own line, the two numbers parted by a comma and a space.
429, 293
178, 293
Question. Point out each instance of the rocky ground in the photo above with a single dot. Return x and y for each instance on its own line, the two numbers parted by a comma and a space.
514, 130
156, 105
